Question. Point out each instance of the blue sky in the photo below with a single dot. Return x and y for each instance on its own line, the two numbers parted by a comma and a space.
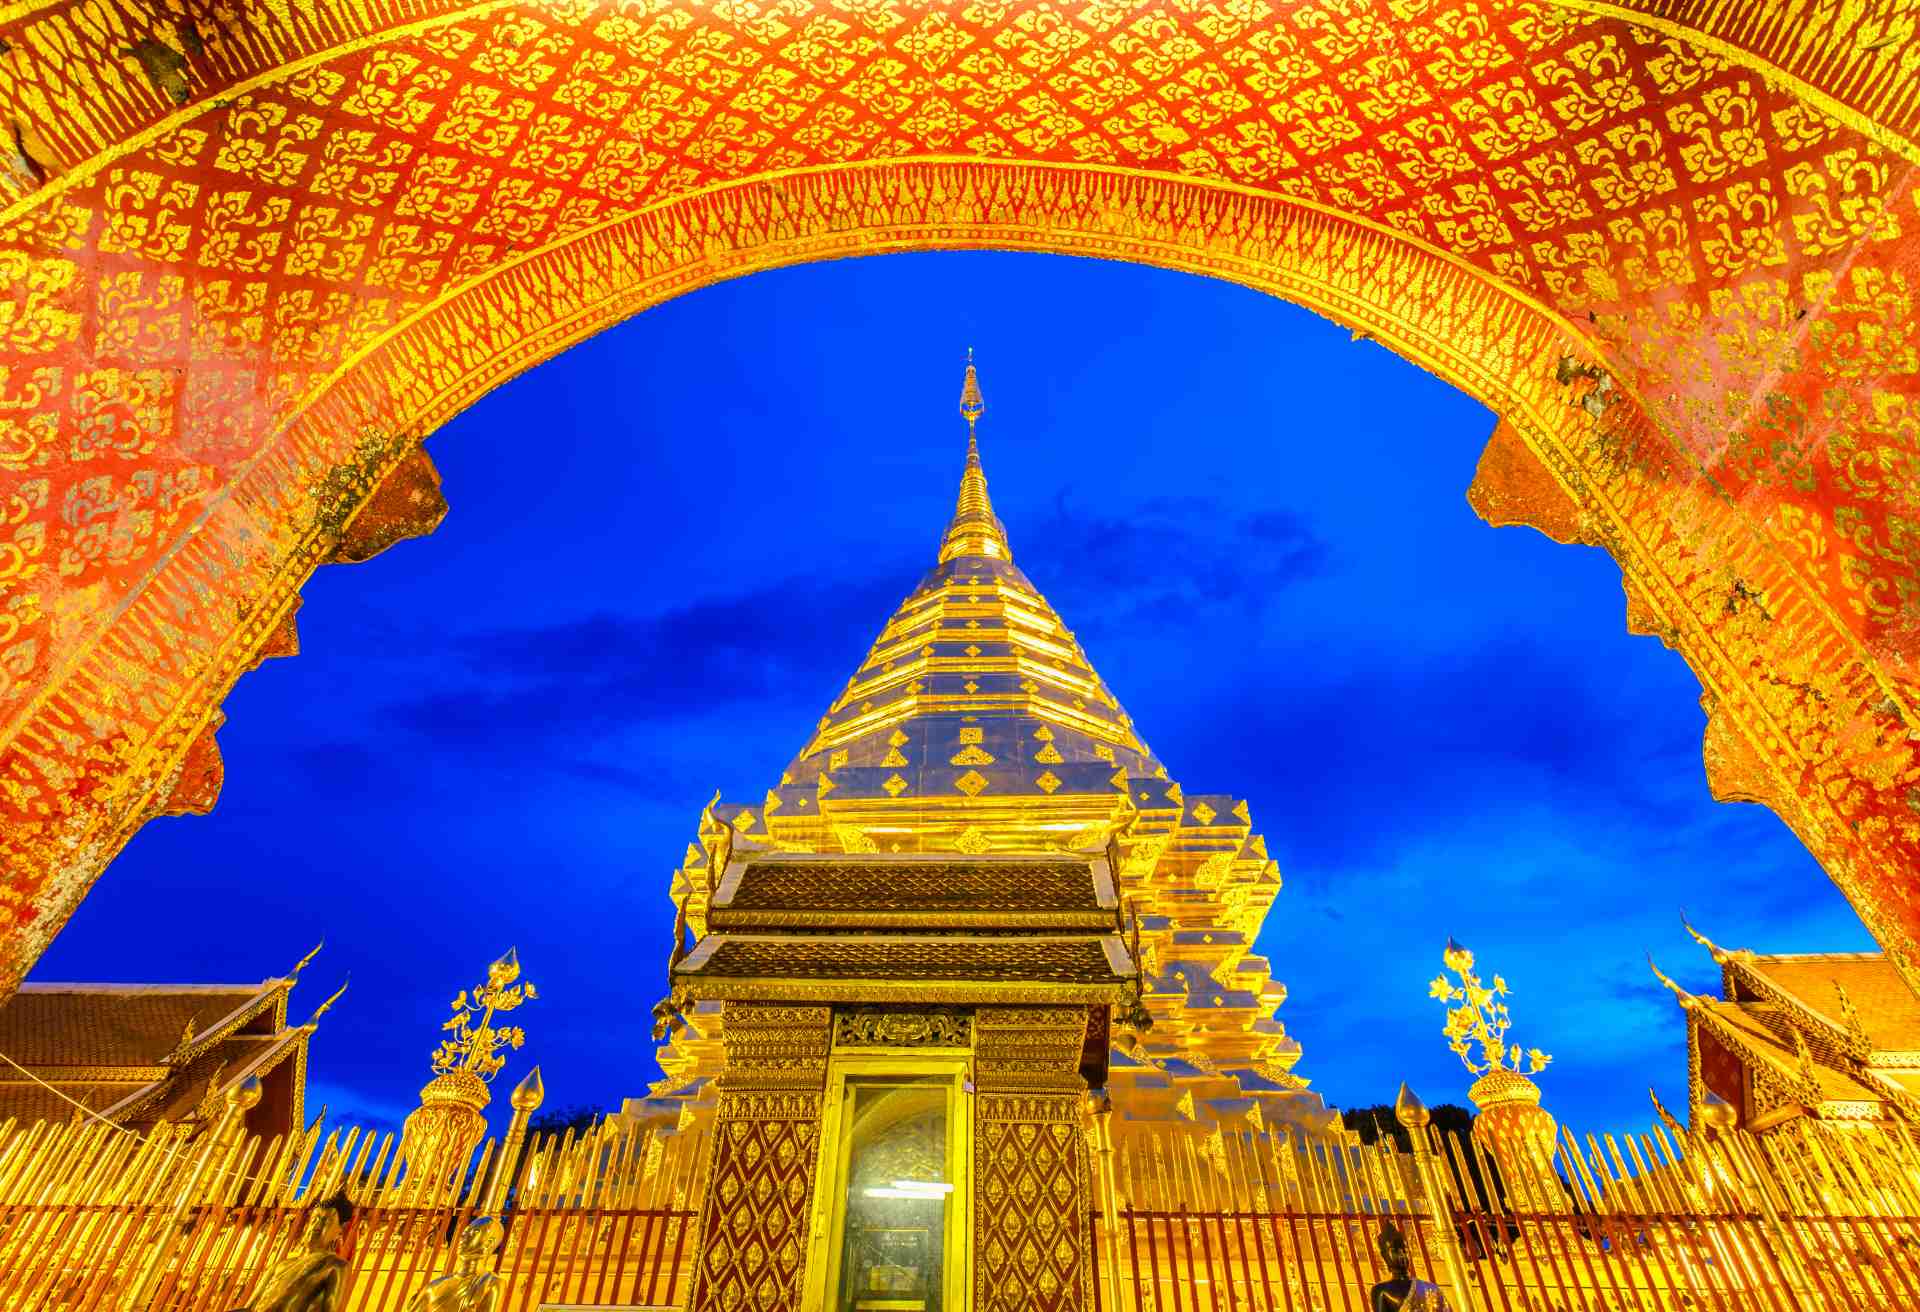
668, 548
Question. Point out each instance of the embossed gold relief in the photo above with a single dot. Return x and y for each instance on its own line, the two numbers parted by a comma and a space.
753, 1219
1030, 1159
241, 273
902, 1027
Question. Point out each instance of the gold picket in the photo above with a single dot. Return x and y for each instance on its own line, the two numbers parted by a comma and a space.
1812, 1216
95, 1219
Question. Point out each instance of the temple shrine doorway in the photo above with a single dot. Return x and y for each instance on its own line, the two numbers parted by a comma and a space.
893, 1221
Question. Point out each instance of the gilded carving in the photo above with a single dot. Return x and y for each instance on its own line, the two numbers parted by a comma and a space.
376, 229
902, 1027
1032, 1188
760, 1176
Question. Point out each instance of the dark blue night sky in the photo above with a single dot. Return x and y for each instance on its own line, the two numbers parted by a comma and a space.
669, 548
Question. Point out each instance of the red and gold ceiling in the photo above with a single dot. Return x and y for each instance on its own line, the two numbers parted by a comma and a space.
251, 253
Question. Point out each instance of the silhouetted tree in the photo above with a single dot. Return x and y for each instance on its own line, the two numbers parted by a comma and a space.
579, 1119
1372, 1122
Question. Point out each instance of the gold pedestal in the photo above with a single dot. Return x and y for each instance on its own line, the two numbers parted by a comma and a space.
445, 1128
1512, 1125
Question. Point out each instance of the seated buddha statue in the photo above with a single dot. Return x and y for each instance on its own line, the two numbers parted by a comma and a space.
1401, 1292
472, 1285
310, 1278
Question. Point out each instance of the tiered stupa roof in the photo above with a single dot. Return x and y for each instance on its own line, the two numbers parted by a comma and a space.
977, 725
974, 689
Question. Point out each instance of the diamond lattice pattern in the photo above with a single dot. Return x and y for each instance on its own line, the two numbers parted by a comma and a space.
1030, 1252
755, 1217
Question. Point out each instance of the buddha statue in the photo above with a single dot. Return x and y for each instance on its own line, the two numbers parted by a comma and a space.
310, 1278
1401, 1292
472, 1285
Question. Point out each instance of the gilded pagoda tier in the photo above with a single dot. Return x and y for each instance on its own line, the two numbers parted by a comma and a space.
976, 726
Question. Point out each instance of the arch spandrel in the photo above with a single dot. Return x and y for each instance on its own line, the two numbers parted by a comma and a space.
240, 280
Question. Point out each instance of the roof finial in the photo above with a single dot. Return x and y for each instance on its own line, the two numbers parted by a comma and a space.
972, 405
974, 531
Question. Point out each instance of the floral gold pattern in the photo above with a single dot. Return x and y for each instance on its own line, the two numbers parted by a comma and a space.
242, 274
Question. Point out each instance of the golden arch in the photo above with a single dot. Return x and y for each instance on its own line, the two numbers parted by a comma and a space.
249, 257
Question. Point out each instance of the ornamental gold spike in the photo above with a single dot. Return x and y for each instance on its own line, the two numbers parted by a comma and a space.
1687, 999
305, 961
972, 404
327, 1006
974, 530
1480, 1020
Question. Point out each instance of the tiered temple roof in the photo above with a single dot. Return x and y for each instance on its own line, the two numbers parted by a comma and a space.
1830, 1035
977, 725
140, 1054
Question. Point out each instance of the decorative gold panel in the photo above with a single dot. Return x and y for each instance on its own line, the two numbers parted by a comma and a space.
902, 1027
1032, 1187
753, 1220
249, 257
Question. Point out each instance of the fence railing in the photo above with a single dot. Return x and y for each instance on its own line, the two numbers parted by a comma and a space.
1809, 1218
92, 1218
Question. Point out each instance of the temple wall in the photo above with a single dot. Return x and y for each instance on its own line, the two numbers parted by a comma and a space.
1032, 1186
753, 1220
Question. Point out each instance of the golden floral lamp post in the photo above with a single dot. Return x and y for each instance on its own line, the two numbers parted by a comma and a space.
449, 1122
1512, 1124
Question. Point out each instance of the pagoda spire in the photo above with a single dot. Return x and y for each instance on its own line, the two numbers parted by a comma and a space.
974, 530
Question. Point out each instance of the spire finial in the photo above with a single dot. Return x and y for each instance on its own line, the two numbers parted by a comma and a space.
973, 531
972, 405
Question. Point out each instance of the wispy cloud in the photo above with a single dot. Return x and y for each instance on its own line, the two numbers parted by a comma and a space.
584, 680
1185, 556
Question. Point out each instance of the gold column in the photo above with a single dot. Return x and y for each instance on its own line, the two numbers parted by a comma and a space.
240, 1099
760, 1173
1109, 1192
1413, 1114
1028, 1144
526, 1099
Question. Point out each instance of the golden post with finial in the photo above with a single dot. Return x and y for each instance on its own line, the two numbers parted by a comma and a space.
1100, 1104
240, 1099
526, 1099
1414, 1116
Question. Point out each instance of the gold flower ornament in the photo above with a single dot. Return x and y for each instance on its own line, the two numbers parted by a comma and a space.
1480, 1020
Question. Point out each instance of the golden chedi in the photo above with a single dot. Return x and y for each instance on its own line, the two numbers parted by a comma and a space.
977, 726
1512, 1125
450, 1121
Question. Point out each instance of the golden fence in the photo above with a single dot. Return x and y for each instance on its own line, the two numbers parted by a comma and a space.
1810, 1217
1184, 1220
92, 1217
